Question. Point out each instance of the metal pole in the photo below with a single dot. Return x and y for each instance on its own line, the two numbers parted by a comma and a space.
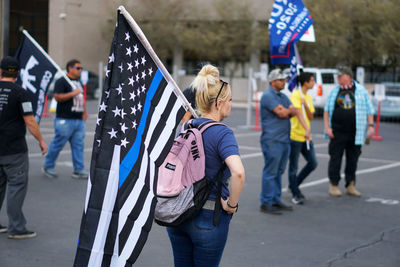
249, 98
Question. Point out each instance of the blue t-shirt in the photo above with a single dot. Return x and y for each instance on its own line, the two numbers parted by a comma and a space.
219, 143
273, 127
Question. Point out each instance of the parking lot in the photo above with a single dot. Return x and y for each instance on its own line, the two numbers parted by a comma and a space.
326, 231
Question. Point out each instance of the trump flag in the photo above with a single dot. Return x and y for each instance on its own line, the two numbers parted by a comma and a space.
289, 20
138, 114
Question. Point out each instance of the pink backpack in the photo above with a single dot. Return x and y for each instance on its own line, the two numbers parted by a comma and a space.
182, 188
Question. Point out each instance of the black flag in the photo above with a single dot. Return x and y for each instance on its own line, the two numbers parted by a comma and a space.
136, 124
36, 74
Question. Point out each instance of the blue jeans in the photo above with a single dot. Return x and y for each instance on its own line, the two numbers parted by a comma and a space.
275, 159
309, 155
198, 242
72, 130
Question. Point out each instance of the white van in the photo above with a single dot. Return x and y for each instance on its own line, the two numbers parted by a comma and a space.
325, 81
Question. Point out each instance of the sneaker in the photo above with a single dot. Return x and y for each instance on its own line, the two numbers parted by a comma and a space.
352, 191
297, 200
300, 195
3, 229
269, 209
49, 172
282, 206
334, 190
22, 235
80, 175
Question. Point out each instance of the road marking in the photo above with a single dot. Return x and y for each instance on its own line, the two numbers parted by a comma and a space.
383, 201
326, 179
37, 155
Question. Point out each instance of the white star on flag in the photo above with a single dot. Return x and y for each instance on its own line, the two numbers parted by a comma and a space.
132, 95
143, 88
98, 121
137, 77
122, 111
121, 67
134, 124
127, 36
124, 142
139, 106
123, 128
103, 107
119, 89
131, 81
98, 141
135, 48
113, 133
133, 110
107, 93
116, 112
128, 51
150, 71
143, 74
107, 72
111, 58
143, 60
136, 63
130, 66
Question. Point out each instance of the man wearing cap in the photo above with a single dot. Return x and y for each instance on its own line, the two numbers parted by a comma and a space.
348, 118
276, 110
15, 112
69, 124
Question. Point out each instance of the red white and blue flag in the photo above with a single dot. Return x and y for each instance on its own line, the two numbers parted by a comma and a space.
136, 124
289, 21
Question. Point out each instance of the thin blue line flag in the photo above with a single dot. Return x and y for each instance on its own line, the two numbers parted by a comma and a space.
136, 124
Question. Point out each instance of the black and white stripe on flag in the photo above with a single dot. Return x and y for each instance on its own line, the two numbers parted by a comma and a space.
138, 115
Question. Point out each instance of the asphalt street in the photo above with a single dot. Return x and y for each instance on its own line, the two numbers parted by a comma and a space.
325, 231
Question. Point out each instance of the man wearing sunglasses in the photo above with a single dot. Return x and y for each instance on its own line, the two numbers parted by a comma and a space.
69, 123
276, 110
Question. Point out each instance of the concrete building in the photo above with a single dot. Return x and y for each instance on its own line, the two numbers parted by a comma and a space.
78, 28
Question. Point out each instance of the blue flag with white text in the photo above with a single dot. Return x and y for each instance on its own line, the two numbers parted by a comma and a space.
137, 118
35, 75
288, 22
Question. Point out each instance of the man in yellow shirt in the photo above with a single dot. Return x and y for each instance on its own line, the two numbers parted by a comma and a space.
300, 136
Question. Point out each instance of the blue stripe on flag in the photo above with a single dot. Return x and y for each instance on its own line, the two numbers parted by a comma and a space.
131, 157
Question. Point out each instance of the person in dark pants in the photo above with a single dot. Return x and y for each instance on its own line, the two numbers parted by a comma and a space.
348, 118
15, 113
276, 110
300, 135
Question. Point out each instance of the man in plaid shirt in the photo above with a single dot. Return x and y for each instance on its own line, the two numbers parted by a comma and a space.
348, 117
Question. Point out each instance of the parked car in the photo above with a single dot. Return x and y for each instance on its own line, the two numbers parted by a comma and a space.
92, 87
390, 106
325, 81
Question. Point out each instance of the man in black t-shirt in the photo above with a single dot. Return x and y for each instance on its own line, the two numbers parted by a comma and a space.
69, 124
348, 119
15, 113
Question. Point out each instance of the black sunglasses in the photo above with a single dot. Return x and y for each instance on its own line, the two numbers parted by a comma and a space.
220, 89
75, 67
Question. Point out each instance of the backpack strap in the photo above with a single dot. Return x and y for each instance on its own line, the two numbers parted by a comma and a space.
217, 207
205, 125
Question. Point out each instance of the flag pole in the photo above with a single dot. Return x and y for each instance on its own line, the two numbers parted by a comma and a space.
154, 56
298, 67
25, 32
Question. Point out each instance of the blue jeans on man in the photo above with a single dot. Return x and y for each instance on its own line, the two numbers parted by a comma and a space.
309, 155
275, 159
72, 130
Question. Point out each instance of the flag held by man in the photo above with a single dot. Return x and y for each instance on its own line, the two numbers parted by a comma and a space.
36, 73
288, 22
136, 124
